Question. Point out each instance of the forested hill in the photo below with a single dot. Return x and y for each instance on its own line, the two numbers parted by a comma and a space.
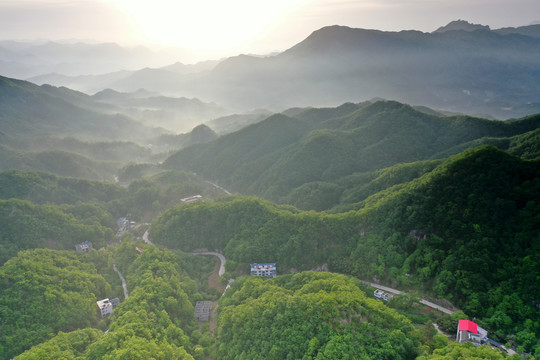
29, 110
275, 157
466, 230
310, 316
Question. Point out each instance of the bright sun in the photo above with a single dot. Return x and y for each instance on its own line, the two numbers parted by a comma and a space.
206, 24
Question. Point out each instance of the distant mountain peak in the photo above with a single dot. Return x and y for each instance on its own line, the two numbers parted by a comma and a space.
461, 25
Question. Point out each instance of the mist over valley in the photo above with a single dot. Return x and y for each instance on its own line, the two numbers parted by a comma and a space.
387, 183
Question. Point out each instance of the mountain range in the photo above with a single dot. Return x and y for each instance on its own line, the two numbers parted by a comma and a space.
460, 67
441, 205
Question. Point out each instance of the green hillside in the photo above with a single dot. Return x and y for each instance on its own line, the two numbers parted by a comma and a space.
118, 151
154, 320
28, 110
40, 188
310, 316
445, 206
274, 158
60, 163
435, 228
71, 345
27, 226
43, 292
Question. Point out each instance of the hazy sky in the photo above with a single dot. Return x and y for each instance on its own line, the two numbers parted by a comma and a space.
213, 28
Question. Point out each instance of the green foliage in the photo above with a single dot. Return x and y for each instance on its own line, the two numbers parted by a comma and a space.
143, 198
435, 228
526, 146
275, 158
153, 321
40, 187
70, 345
58, 162
359, 187
309, 316
316, 196
27, 226
43, 292
252, 230
109, 151
133, 171
455, 351
449, 322
28, 110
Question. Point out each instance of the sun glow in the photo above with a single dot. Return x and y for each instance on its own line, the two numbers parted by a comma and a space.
206, 24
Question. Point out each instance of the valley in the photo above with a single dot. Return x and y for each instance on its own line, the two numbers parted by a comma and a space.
298, 158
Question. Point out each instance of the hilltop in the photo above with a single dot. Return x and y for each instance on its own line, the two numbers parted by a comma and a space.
321, 147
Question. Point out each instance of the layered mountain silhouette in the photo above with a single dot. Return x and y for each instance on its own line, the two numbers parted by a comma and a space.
28, 110
460, 67
477, 71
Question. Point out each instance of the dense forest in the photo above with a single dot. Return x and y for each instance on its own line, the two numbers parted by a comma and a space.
434, 228
443, 206
60, 290
311, 315
278, 157
43, 292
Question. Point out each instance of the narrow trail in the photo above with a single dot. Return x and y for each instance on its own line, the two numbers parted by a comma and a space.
397, 292
126, 295
219, 187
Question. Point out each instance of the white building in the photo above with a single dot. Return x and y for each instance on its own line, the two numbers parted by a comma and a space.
265, 269
191, 199
379, 294
83, 247
106, 306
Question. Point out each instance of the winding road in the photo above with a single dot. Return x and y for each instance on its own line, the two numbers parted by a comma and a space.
222, 271
220, 257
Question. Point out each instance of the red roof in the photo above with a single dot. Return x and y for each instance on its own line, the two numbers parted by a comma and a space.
467, 325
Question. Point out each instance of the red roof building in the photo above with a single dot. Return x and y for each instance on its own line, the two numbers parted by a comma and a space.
467, 325
470, 331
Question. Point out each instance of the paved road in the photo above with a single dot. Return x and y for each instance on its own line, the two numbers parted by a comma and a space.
435, 306
382, 287
146, 239
220, 256
126, 295
397, 292
221, 259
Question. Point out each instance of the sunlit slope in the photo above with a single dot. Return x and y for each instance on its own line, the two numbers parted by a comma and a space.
274, 157
464, 230
308, 316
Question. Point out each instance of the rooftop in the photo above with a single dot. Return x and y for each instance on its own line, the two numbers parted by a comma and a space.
263, 266
467, 325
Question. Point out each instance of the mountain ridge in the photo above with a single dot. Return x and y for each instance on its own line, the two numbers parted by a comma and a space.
329, 143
